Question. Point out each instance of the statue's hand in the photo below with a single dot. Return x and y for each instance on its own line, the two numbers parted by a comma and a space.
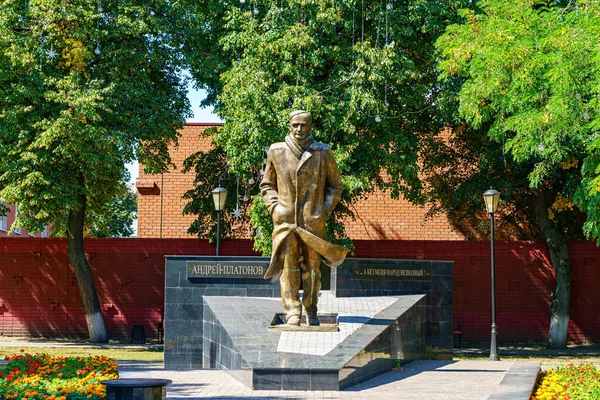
278, 215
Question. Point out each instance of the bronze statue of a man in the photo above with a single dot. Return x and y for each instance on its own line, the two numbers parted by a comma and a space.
301, 187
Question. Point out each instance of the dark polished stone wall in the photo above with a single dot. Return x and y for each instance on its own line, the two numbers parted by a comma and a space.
184, 312
403, 340
349, 280
237, 340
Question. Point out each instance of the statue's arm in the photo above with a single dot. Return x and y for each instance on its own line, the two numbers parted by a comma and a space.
334, 188
268, 186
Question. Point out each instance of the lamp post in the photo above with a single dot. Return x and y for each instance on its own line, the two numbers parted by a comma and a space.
219, 196
491, 198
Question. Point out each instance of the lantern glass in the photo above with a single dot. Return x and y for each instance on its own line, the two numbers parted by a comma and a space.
491, 198
219, 196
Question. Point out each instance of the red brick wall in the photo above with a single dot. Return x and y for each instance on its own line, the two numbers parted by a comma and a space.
524, 281
383, 218
378, 217
39, 296
160, 209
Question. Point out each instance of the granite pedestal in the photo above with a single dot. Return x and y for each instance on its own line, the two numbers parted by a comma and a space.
184, 292
365, 277
189, 279
374, 333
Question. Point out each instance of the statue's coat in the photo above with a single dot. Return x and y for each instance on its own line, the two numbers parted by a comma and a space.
300, 194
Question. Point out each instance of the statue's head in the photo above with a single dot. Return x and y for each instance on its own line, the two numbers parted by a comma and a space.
300, 124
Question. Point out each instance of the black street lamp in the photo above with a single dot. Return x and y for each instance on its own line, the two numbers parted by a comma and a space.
219, 196
491, 198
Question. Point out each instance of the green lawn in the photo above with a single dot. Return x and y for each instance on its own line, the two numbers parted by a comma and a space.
116, 354
547, 361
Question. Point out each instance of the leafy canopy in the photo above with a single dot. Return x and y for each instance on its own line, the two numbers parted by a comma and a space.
116, 218
364, 69
529, 74
86, 86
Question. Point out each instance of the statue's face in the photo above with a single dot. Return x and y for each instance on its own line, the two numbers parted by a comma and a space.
300, 126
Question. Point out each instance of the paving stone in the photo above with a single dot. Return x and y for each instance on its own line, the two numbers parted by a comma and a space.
419, 380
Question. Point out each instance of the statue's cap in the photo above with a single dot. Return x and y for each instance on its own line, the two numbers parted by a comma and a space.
299, 112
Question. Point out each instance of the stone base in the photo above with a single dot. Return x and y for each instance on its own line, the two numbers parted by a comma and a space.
329, 323
184, 305
374, 333
365, 277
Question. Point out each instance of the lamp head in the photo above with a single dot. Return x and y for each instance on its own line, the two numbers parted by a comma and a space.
491, 198
219, 196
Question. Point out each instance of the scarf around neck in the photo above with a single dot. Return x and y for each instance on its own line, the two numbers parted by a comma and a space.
298, 147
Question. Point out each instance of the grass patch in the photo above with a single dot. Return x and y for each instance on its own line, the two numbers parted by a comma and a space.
118, 354
547, 361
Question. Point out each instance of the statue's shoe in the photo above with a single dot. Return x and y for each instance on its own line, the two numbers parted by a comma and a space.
293, 320
313, 320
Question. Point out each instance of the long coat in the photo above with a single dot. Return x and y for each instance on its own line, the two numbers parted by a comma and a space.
300, 194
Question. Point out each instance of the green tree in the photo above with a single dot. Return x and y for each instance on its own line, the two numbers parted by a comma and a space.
210, 169
526, 77
85, 87
116, 218
364, 69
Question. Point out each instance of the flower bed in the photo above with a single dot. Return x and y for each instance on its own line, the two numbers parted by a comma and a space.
41, 376
571, 382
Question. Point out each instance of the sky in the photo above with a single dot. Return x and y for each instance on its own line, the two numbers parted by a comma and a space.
200, 115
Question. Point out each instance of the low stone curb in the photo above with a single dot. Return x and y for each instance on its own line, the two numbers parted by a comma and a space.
519, 381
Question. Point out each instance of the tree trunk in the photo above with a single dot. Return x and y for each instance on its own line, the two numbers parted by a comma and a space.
559, 255
83, 273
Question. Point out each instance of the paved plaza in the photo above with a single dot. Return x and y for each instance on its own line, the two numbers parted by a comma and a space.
420, 380
424, 379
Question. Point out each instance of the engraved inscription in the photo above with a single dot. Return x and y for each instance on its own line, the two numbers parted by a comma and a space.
392, 272
226, 269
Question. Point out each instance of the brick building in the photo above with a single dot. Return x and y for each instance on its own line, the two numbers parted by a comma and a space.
379, 217
7, 221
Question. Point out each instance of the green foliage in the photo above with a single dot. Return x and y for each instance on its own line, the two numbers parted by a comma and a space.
259, 216
211, 171
365, 70
113, 219
116, 218
83, 91
528, 74
458, 169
